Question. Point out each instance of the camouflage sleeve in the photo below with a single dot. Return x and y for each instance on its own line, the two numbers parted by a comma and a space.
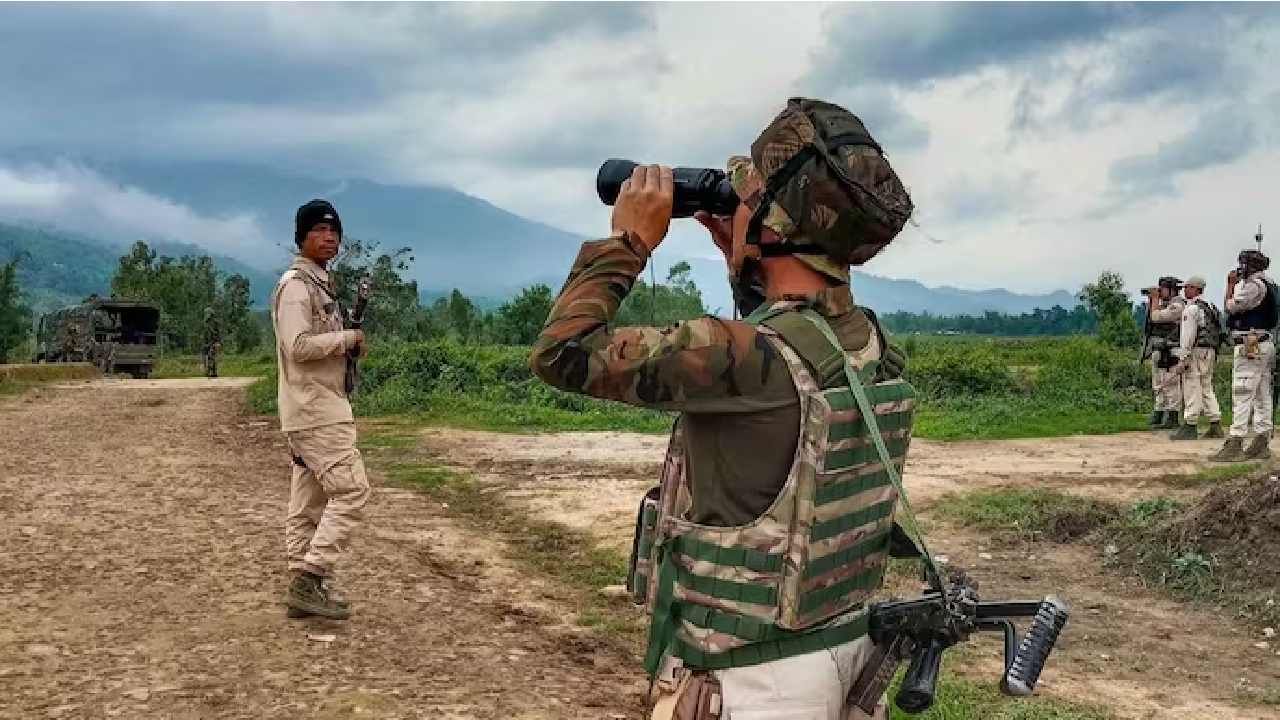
1249, 294
1168, 313
702, 365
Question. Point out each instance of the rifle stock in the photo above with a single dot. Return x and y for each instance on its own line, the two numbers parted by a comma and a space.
924, 628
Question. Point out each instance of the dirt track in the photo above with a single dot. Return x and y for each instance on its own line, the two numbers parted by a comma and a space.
141, 567
140, 571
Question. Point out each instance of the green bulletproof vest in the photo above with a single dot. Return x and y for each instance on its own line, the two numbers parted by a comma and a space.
797, 578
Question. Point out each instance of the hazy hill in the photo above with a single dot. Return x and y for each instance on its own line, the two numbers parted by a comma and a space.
57, 268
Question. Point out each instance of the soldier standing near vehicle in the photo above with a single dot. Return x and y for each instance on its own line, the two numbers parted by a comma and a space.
1251, 318
750, 424
212, 343
1199, 338
1164, 308
329, 487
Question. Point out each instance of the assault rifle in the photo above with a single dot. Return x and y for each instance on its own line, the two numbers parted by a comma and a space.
1144, 350
355, 321
923, 628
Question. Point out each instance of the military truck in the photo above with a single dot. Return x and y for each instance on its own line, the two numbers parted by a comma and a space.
115, 335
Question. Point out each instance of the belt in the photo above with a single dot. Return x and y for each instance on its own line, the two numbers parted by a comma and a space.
1239, 339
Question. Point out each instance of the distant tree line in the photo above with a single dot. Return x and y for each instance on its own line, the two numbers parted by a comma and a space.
15, 314
1057, 320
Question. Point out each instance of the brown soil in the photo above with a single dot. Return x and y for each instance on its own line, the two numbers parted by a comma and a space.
141, 570
1128, 647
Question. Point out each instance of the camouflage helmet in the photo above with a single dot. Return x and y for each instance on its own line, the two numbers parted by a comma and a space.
819, 180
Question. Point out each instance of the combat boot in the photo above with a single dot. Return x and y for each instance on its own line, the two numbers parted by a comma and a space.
1215, 430
1185, 432
1171, 420
1231, 451
307, 595
335, 595
1157, 419
1258, 449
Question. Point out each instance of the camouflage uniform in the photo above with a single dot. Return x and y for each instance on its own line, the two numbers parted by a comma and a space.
831, 200
740, 411
212, 343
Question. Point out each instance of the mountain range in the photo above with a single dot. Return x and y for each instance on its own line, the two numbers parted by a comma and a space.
457, 241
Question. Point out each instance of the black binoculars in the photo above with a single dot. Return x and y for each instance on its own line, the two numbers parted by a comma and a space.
695, 188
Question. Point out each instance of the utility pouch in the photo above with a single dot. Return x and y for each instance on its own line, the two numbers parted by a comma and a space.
696, 697
1251, 350
640, 570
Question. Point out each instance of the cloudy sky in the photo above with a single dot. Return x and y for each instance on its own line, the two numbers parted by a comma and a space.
1042, 143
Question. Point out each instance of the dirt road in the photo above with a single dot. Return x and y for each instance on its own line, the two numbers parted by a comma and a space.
140, 572
141, 567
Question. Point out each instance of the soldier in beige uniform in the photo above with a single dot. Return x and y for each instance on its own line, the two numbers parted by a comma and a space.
329, 487
1251, 317
1199, 338
1164, 308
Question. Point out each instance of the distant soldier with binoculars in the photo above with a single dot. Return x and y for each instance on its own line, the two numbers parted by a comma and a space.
1164, 318
1251, 319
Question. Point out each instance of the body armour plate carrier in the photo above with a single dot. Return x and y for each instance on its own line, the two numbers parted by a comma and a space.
1262, 317
796, 579
1209, 334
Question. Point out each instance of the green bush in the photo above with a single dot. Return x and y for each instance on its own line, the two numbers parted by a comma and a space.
957, 370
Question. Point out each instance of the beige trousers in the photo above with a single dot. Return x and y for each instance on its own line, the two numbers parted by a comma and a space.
813, 686
1167, 390
1251, 390
326, 497
1197, 387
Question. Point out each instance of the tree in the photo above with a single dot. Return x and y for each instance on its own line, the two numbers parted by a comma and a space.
394, 309
676, 300
1107, 299
520, 320
15, 315
183, 288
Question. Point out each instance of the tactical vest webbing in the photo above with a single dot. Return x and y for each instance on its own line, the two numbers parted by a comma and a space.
795, 579
1209, 333
1168, 331
1262, 317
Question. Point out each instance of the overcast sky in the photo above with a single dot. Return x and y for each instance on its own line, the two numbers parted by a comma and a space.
1041, 142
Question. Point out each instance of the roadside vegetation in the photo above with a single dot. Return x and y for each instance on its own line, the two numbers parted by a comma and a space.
1218, 551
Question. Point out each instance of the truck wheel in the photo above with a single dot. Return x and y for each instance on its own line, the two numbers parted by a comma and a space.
140, 373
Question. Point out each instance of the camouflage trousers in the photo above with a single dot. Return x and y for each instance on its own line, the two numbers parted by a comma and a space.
1251, 390
1167, 389
327, 496
813, 686
1197, 386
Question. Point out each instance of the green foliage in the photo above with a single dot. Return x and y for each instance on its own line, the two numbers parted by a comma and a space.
962, 699
1028, 512
257, 364
1146, 512
1107, 299
183, 288
15, 315
666, 304
957, 371
520, 320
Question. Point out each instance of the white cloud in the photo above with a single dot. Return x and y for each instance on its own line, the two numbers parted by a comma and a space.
75, 198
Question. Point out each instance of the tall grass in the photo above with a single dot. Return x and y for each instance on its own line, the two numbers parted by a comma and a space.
970, 388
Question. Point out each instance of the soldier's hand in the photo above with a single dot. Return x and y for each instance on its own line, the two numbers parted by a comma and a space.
721, 229
644, 204
361, 347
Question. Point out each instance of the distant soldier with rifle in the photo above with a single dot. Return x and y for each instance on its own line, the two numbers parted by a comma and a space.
212, 344
1251, 318
775, 518
329, 487
1164, 318
1199, 339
